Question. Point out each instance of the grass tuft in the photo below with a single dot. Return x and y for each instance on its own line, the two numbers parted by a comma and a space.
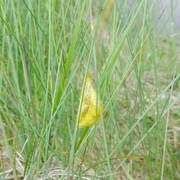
46, 50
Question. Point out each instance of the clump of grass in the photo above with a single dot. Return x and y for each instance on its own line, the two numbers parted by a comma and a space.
46, 49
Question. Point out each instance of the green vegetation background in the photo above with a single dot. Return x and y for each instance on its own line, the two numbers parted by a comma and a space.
46, 49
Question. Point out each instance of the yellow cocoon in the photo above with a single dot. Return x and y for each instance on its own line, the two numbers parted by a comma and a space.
92, 107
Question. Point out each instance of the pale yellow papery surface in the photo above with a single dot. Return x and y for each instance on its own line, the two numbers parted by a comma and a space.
92, 107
